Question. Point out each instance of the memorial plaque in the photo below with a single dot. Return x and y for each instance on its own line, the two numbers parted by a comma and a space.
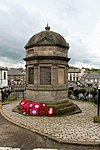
45, 75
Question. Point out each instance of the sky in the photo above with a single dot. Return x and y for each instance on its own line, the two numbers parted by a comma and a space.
78, 21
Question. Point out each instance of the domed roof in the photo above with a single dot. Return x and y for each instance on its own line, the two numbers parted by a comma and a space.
47, 38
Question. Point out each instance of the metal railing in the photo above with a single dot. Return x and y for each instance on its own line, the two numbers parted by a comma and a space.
10, 94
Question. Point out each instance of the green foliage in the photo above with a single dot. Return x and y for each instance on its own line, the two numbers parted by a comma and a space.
94, 92
76, 92
72, 67
70, 92
95, 70
87, 69
96, 119
11, 97
83, 91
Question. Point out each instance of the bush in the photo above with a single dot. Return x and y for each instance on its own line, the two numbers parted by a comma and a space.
83, 91
70, 92
94, 93
76, 93
96, 119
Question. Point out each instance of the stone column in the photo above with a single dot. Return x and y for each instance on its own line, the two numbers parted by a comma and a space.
55, 75
36, 76
66, 79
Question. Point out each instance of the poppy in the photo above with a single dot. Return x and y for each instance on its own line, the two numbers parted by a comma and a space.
33, 112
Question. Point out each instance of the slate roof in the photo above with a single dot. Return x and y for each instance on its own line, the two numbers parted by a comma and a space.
91, 75
14, 72
3, 68
72, 83
74, 70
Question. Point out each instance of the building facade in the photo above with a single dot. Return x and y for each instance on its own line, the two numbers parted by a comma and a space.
16, 78
91, 78
3, 77
75, 74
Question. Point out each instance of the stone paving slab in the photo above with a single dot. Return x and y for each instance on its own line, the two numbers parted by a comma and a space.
9, 148
78, 128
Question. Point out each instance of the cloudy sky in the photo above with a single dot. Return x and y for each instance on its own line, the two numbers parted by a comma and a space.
78, 21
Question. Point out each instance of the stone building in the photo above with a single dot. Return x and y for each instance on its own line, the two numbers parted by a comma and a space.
47, 67
16, 78
91, 79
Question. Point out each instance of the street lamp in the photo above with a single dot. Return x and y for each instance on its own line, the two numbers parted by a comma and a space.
98, 101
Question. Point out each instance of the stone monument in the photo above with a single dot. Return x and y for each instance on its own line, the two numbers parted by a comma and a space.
47, 67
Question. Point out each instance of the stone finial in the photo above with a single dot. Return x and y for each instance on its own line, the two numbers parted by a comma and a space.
47, 27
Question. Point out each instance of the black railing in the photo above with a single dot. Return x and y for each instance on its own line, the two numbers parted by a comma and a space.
10, 94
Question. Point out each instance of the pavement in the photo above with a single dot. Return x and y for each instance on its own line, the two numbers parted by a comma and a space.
74, 129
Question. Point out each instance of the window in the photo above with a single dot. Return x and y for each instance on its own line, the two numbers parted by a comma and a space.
74, 74
70, 77
77, 79
31, 75
45, 75
4, 75
73, 78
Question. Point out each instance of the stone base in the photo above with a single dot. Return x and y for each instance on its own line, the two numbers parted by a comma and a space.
49, 97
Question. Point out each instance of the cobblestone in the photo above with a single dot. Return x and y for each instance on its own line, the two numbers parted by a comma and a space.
78, 128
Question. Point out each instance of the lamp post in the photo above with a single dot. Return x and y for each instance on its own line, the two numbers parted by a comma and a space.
98, 102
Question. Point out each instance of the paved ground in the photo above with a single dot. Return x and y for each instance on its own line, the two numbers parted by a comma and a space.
78, 128
13, 137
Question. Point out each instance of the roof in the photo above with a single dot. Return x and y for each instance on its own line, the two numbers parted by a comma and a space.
47, 38
91, 75
72, 84
14, 72
3, 68
74, 70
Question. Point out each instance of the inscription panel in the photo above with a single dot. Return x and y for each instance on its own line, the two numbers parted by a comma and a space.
45, 75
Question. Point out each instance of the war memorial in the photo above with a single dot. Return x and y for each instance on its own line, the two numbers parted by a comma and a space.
47, 71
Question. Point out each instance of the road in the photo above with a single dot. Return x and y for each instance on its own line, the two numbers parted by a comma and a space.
17, 137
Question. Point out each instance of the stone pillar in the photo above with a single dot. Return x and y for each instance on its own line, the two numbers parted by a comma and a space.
36, 76
55, 76
66, 79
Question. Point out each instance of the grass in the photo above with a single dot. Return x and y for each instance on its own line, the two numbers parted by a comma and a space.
96, 119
